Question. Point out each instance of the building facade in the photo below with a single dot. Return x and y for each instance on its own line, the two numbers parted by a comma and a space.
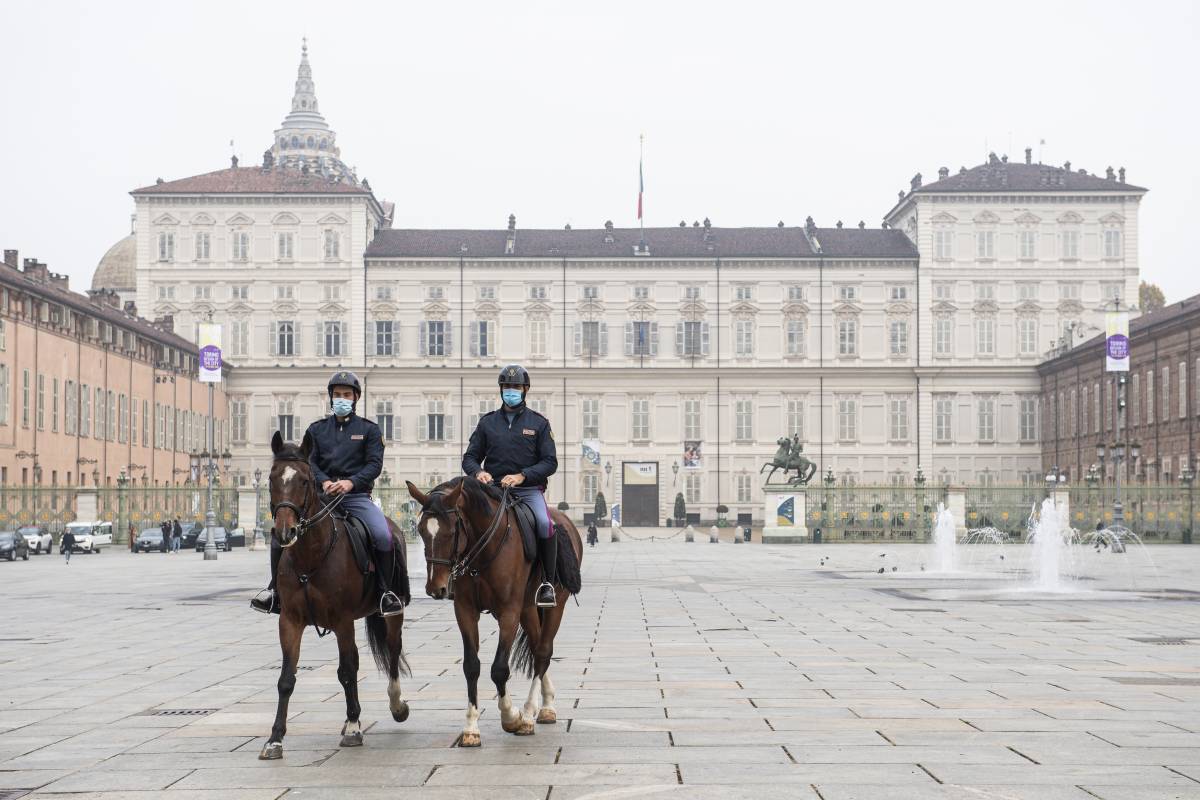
1160, 412
89, 390
676, 356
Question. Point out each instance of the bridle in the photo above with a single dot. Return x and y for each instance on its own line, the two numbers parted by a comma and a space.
468, 563
304, 523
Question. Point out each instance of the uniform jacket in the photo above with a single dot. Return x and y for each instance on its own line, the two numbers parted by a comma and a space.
526, 446
351, 450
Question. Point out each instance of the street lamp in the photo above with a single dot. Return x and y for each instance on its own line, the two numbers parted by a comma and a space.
385, 480
919, 480
1187, 476
607, 472
95, 477
205, 460
674, 473
37, 470
258, 544
1092, 477
829, 479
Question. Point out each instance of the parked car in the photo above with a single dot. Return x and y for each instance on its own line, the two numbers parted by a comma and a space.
89, 536
221, 540
39, 539
13, 546
148, 540
190, 535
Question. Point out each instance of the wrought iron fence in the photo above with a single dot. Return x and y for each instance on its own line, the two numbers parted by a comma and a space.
50, 507
873, 513
1154, 513
1005, 508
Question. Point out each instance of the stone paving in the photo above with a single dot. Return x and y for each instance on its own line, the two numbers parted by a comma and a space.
688, 670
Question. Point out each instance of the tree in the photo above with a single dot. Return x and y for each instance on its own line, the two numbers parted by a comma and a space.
601, 507
1150, 298
680, 509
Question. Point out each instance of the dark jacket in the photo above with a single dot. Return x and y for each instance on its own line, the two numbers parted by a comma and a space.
177, 529
68, 540
350, 450
525, 446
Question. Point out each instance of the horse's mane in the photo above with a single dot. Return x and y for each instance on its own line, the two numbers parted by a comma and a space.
290, 452
476, 493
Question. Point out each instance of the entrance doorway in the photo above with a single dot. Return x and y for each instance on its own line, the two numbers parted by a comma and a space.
639, 494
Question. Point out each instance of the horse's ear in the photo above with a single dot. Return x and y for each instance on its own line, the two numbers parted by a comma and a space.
306, 445
417, 494
453, 495
276, 443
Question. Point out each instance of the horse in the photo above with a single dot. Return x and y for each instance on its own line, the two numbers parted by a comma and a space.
788, 457
474, 555
319, 584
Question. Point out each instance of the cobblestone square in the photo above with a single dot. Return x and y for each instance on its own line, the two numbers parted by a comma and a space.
687, 670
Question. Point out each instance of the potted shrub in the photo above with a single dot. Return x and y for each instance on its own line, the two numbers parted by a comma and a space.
722, 510
601, 509
680, 511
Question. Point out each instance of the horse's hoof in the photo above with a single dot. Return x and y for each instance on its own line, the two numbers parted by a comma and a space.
469, 740
271, 751
510, 727
547, 716
401, 713
525, 728
352, 740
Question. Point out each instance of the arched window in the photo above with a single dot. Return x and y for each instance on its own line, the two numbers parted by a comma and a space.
324, 143
282, 143
311, 142
295, 141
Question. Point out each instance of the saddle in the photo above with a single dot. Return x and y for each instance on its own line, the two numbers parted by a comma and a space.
360, 539
527, 525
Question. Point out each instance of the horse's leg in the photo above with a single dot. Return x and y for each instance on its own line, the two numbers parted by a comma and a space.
395, 647
468, 625
511, 720
352, 735
543, 650
290, 631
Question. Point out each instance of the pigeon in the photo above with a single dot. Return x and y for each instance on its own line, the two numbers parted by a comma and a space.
894, 569
881, 570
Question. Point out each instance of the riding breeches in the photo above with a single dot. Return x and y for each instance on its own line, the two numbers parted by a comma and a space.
535, 498
360, 506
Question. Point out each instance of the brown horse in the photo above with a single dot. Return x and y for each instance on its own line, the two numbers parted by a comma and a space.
474, 554
319, 584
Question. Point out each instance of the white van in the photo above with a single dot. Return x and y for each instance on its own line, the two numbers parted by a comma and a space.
90, 536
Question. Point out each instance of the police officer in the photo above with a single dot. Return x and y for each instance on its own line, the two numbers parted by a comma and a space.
514, 446
346, 458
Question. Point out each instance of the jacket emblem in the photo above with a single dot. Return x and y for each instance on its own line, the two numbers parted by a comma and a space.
356, 436
528, 432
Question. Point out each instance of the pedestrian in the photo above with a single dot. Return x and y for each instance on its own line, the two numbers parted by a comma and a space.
165, 527
593, 534
176, 536
68, 544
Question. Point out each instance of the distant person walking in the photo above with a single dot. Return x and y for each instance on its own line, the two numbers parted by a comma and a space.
176, 536
68, 544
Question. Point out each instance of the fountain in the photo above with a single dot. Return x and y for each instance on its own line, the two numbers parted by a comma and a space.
944, 540
1050, 546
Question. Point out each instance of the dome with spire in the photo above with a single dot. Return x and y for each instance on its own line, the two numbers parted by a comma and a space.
304, 138
118, 268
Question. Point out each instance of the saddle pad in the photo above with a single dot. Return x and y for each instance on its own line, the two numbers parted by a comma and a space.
360, 543
527, 524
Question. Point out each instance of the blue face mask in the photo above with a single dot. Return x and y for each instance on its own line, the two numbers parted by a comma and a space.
512, 397
342, 407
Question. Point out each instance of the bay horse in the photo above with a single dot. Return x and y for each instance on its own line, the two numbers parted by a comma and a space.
474, 554
319, 584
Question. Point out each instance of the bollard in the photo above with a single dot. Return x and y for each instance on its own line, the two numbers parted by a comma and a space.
746, 533
736, 539
714, 535
616, 533
689, 534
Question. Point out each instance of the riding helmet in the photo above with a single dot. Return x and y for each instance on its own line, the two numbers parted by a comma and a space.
344, 378
514, 375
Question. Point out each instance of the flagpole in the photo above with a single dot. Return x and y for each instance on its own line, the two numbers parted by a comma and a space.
641, 215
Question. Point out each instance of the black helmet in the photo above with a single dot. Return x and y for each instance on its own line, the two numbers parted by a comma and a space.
344, 378
514, 375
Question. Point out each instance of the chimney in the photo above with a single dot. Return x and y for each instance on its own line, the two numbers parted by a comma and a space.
993, 160
133, 223
707, 229
35, 270
608, 231
779, 224
839, 224
1028, 155
1109, 174
165, 323
862, 225
510, 241
131, 308
810, 227
916, 181
60, 281
943, 173
268, 159
233, 161
962, 170
1067, 166
10, 259
1121, 175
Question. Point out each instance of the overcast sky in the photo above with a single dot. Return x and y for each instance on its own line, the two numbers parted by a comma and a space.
461, 113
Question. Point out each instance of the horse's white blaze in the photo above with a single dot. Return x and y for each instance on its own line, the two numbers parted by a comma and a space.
507, 713
352, 728
394, 695
547, 692
287, 475
531, 707
472, 720
431, 525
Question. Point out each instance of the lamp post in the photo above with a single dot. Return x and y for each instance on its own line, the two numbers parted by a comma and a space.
122, 485
674, 473
1187, 476
607, 472
203, 461
1117, 452
258, 544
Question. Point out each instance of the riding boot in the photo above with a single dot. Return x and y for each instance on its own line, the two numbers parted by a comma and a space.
385, 566
267, 601
548, 556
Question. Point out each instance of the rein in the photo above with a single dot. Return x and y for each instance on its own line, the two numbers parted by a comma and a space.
467, 563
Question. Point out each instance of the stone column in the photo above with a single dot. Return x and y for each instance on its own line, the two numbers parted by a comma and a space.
87, 505
783, 528
956, 502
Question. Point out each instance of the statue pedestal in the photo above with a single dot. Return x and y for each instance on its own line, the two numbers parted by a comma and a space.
785, 515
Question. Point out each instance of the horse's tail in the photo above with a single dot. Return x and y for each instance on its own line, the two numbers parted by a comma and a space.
568, 566
521, 658
377, 638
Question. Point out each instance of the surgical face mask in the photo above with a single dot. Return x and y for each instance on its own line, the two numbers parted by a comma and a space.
342, 407
512, 397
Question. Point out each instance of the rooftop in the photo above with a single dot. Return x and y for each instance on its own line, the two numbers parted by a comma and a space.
267, 179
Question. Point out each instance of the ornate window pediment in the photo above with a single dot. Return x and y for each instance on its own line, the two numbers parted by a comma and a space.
331, 219
165, 309
986, 307
694, 308
487, 308
382, 308
432, 307
591, 307
202, 309
794, 308
1070, 306
944, 307
165, 219
898, 309
285, 307
239, 219
641, 308
1028, 307
332, 309
744, 309
1028, 218
538, 308
1113, 218
202, 219
986, 218
846, 309
942, 218
239, 308
284, 218
1070, 218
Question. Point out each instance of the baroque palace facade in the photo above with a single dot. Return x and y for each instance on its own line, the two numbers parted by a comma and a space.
674, 358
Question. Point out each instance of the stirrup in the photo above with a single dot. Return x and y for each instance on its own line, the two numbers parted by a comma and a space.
394, 600
545, 597
265, 601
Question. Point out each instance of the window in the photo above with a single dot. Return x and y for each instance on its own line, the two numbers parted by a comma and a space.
795, 293
146, 423
943, 245
133, 421
691, 339
1027, 243
41, 402
1111, 291
285, 338
286, 246
436, 338
691, 293
1027, 335
1027, 291
1027, 423
537, 292
166, 246
986, 421
1183, 387
898, 293
85, 411
482, 406
483, 338
166, 292
385, 418
436, 425
692, 417
123, 419
742, 487
743, 420
202, 292
591, 487
54, 406
203, 246
639, 418
641, 338
847, 294
985, 336
1112, 243
743, 338
1166, 394
1070, 245
332, 339
943, 335
943, 419
590, 292
538, 404
898, 337
898, 419
71, 401
691, 487
285, 418
332, 292
985, 244
241, 246
25, 398
591, 417
847, 337
539, 335
943, 291
794, 330
435, 293
385, 331
486, 292
112, 416
1069, 291
591, 338
1149, 397
641, 292
4, 394
332, 245
285, 292
237, 416
743, 293
847, 419
794, 425
239, 291
239, 337
985, 292
101, 415
385, 293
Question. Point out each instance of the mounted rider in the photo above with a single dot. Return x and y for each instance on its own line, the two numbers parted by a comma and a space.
346, 458
514, 445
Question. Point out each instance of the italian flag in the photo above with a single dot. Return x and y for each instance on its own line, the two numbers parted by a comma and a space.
641, 187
